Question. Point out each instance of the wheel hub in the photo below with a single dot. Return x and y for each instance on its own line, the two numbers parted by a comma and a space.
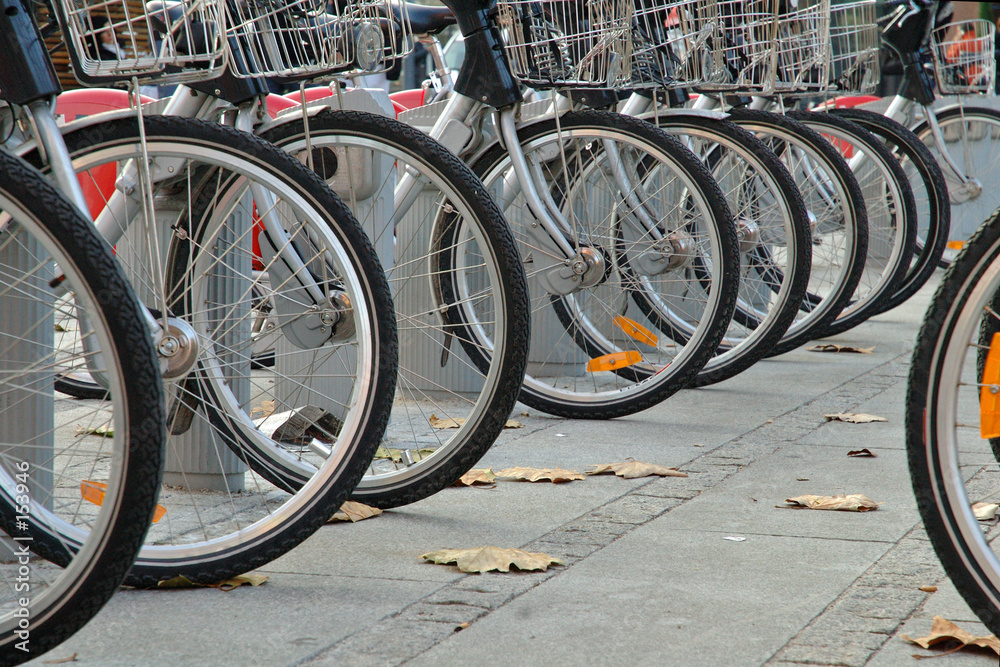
178, 349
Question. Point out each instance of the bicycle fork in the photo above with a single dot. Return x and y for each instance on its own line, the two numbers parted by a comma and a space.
969, 187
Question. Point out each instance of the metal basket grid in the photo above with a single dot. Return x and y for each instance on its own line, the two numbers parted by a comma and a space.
116, 40
308, 38
746, 45
964, 62
568, 42
673, 44
803, 48
766, 52
854, 52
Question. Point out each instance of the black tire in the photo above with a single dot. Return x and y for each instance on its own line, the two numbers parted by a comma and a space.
930, 194
983, 128
786, 136
62, 597
254, 528
499, 356
949, 466
892, 219
604, 393
726, 145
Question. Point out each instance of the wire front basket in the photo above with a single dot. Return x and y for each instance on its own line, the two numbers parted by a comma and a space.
568, 42
746, 45
854, 52
766, 52
307, 38
673, 44
165, 42
964, 62
803, 48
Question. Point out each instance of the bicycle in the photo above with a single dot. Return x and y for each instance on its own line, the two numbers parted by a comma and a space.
452, 228
952, 441
54, 267
593, 354
962, 138
183, 201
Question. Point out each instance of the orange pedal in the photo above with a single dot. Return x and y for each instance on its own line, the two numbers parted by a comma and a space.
635, 330
989, 402
956, 245
94, 492
612, 362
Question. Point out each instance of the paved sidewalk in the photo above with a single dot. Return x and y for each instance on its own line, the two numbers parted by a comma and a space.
650, 579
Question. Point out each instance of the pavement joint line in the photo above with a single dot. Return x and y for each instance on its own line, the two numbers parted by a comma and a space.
911, 562
403, 635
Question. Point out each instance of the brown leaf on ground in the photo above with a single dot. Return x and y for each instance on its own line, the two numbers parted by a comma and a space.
485, 559
104, 431
985, 511
862, 453
61, 661
854, 502
634, 469
240, 580
477, 476
397, 454
513, 423
928, 589
854, 418
262, 411
944, 630
554, 475
352, 511
830, 347
447, 422
180, 581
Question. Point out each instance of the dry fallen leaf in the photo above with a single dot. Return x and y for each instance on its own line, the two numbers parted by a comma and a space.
928, 589
830, 347
262, 411
485, 559
944, 630
458, 422
634, 469
352, 511
554, 475
180, 581
105, 431
60, 661
985, 511
854, 418
397, 454
854, 502
862, 453
447, 422
239, 580
477, 476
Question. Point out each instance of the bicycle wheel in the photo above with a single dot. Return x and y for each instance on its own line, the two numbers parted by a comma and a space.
47, 436
950, 416
892, 219
775, 241
648, 220
249, 249
972, 137
837, 214
455, 277
930, 194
